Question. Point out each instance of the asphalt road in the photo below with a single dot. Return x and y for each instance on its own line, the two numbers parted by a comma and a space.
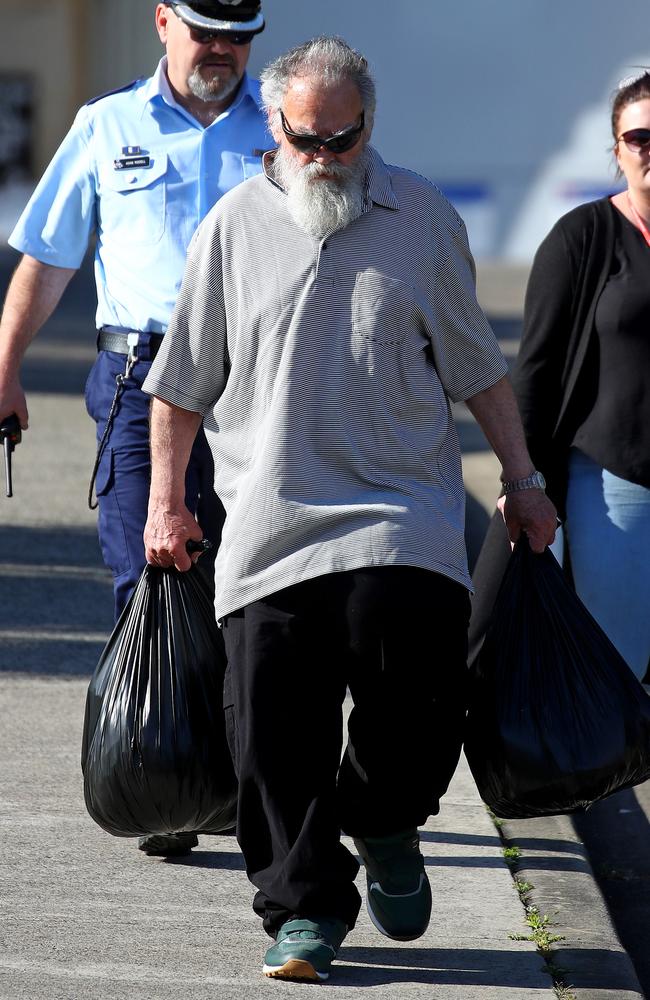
616, 832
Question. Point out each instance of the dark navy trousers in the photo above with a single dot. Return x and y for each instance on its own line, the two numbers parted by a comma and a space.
124, 474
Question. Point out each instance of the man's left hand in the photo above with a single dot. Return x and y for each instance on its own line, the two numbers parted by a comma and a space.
532, 512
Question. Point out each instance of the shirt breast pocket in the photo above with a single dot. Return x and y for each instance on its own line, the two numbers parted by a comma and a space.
382, 307
132, 202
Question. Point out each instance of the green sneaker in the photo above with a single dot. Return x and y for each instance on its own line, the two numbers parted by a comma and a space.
399, 894
168, 845
304, 950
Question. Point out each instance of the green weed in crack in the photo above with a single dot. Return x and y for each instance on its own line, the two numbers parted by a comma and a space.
539, 924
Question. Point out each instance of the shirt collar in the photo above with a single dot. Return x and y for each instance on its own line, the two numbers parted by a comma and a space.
379, 187
267, 167
158, 86
379, 184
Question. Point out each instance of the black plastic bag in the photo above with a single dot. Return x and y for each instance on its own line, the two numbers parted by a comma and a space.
556, 718
154, 753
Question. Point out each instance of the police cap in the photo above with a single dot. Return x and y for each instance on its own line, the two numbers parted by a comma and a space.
221, 15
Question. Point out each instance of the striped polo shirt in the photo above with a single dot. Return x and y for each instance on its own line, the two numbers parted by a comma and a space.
324, 371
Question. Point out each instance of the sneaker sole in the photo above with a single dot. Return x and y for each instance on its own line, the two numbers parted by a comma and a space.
295, 968
394, 937
382, 930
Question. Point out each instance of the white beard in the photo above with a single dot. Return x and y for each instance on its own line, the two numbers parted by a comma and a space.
211, 90
321, 207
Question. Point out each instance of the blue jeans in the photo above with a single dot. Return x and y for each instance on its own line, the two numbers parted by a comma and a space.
608, 535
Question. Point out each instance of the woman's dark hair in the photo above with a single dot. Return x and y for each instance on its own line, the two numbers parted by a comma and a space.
629, 92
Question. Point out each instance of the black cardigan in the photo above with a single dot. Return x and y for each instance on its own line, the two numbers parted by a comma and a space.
556, 377
553, 376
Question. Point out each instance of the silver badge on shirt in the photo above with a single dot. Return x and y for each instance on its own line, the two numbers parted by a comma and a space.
132, 156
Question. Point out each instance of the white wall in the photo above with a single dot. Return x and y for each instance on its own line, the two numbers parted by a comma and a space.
504, 103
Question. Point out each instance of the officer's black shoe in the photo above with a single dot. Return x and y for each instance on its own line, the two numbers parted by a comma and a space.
168, 845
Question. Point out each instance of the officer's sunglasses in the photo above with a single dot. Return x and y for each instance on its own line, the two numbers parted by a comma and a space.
234, 37
636, 139
207, 37
308, 142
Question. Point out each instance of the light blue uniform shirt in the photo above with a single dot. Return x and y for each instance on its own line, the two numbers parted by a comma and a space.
143, 216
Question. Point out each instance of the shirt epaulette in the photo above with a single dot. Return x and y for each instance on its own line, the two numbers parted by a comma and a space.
109, 93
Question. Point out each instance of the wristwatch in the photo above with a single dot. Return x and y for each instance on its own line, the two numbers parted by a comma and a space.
535, 481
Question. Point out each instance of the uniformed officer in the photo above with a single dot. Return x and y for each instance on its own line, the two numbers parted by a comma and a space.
139, 169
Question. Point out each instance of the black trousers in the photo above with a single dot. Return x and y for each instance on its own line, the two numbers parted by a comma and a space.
397, 637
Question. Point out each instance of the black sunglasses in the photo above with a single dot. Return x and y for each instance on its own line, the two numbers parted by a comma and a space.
309, 142
208, 36
234, 37
636, 139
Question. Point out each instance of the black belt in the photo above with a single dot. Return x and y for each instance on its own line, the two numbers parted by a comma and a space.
123, 341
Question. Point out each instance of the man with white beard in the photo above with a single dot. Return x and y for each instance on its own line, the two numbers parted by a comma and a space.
327, 317
332, 203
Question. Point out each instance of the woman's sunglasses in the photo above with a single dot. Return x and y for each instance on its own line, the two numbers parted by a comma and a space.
308, 142
636, 139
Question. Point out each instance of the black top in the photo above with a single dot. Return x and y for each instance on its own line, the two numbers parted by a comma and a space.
620, 416
559, 365
557, 374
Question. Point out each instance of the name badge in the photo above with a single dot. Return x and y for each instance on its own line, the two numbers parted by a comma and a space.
131, 157
131, 161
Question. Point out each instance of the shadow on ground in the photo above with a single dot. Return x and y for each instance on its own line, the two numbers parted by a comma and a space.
457, 967
217, 860
616, 834
463, 839
56, 599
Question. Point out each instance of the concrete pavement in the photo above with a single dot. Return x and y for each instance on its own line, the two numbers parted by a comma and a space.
84, 915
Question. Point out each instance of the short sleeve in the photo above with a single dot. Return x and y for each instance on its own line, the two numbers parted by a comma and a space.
60, 216
466, 353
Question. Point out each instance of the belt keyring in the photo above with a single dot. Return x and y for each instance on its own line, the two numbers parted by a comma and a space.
131, 362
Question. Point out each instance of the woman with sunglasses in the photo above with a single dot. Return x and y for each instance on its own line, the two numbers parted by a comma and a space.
583, 383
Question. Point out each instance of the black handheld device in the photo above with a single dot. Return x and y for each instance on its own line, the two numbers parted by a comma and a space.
10, 436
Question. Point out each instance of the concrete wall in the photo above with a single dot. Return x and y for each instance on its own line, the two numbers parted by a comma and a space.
503, 104
38, 39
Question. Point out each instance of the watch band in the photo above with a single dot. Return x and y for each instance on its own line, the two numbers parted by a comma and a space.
535, 481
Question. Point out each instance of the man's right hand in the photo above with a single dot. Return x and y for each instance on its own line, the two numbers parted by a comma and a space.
12, 400
166, 535
170, 525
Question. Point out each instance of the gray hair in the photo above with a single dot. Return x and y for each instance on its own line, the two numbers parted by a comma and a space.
328, 59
